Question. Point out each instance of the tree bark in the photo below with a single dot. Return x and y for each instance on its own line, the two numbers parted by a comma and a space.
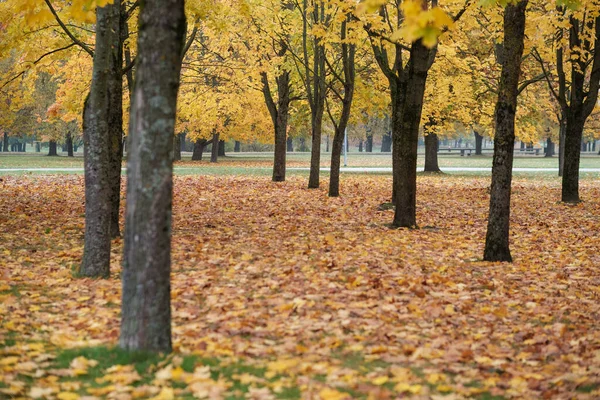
549, 148
386, 142
478, 143
5, 146
177, 148
360, 146
561, 146
24, 147
214, 154
572, 155
199, 145
431, 153
348, 52
497, 238
146, 310
102, 111
406, 136
69, 145
52, 148
290, 144
237, 146
221, 148
369, 144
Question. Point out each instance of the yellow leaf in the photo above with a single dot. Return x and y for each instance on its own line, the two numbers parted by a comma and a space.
67, 396
332, 394
380, 380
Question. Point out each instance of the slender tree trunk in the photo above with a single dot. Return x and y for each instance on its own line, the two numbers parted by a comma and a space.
221, 148
478, 143
52, 148
290, 144
199, 145
5, 147
386, 142
182, 141
146, 310
572, 155
497, 238
406, 138
561, 146
431, 153
315, 152
237, 146
549, 148
24, 147
369, 144
327, 144
214, 154
102, 111
360, 146
177, 148
69, 145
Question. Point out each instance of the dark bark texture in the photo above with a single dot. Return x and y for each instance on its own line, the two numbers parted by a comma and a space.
69, 143
199, 145
497, 238
214, 152
146, 309
237, 146
5, 141
97, 117
478, 143
52, 150
279, 112
221, 152
176, 148
290, 144
431, 153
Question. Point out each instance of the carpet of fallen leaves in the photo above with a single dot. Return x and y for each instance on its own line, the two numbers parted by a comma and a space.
318, 291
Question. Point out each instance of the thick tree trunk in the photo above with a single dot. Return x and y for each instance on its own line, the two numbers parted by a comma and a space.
315, 152
549, 148
38, 147
146, 310
572, 155
406, 137
386, 142
5, 146
497, 238
102, 111
290, 144
369, 144
52, 148
237, 147
199, 145
69, 145
478, 143
431, 153
176, 148
221, 148
214, 154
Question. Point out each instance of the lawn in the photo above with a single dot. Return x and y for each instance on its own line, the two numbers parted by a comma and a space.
281, 292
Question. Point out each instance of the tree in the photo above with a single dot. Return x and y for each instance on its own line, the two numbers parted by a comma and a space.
146, 311
577, 33
497, 238
102, 127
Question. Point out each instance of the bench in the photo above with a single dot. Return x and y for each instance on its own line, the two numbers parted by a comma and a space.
531, 151
463, 150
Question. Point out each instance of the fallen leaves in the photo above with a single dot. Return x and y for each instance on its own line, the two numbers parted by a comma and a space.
315, 296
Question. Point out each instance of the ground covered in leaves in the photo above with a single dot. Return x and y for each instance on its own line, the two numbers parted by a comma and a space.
282, 292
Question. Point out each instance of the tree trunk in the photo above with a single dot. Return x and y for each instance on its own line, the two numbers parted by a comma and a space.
360, 146
561, 147
327, 144
549, 148
386, 142
406, 137
290, 144
431, 153
176, 148
52, 148
214, 154
478, 143
199, 145
24, 147
497, 238
572, 155
69, 145
182, 139
237, 146
221, 148
315, 152
146, 310
101, 113
5, 146
369, 144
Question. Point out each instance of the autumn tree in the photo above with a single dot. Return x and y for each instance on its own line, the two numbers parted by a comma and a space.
146, 311
496, 242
